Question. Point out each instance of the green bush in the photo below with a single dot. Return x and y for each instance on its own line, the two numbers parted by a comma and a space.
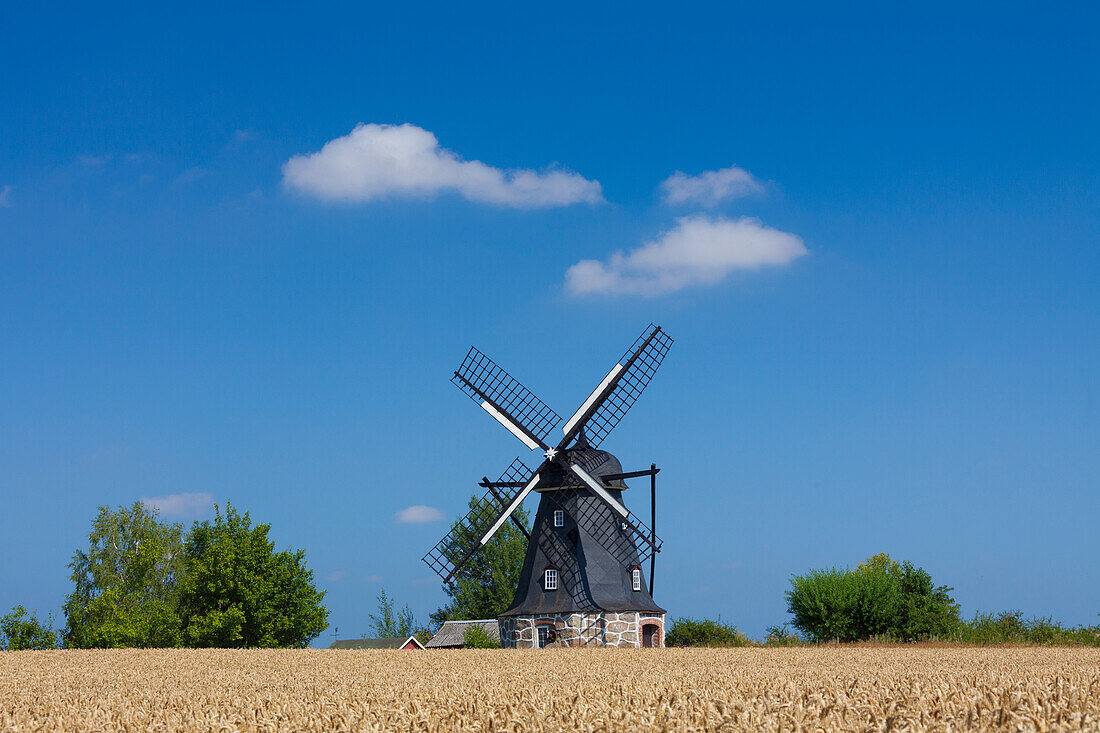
703, 632
20, 630
781, 636
1010, 627
475, 637
880, 599
925, 611
824, 604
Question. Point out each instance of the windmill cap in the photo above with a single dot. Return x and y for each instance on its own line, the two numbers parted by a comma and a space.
597, 463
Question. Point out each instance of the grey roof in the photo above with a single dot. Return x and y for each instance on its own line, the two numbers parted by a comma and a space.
451, 633
392, 642
598, 463
590, 578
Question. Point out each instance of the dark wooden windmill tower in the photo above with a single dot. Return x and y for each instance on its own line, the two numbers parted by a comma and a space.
582, 581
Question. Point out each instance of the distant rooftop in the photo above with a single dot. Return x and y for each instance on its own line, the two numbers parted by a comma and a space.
450, 634
392, 642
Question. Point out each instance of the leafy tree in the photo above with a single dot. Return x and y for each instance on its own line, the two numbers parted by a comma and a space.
926, 610
388, 623
486, 584
880, 562
879, 598
125, 583
19, 631
822, 603
876, 607
239, 592
475, 637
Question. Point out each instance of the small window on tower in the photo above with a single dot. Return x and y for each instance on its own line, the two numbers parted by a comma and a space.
550, 579
559, 518
636, 578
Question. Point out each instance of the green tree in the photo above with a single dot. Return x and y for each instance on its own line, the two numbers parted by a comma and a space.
387, 622
239, 592
880, 562
926, 610
475, 637
879, 598
822, 603
125, 582
486, 584
20, 630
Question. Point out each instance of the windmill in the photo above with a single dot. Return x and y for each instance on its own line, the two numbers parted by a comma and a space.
582, 581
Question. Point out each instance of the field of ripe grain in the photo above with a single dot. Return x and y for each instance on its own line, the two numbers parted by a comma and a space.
555, 689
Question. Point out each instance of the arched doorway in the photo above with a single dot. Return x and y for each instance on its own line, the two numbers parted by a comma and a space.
650, 634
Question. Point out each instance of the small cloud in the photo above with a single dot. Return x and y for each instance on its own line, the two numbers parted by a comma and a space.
697, 251
419, 514
243, 136
710, 187
192, 174
93, 161
383, 161
336, 576
137, 157
5, 196
373, 579
184, 506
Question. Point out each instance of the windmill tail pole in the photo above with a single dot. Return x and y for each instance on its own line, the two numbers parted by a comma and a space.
652, 521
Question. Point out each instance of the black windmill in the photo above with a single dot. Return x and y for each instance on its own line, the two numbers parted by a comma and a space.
582, 580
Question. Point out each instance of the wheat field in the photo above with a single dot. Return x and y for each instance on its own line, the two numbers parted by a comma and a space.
829, 688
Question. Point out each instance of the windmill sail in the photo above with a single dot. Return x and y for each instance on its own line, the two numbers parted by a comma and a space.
605, 407
506, 399
458, 546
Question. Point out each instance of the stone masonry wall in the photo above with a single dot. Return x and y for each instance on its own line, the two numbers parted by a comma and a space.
580, 629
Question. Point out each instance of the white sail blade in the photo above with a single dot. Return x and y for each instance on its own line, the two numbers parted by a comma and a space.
591, 399
601, 491
511, 508
512, 428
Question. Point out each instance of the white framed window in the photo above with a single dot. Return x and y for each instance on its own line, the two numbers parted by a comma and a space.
544, 635
636, 578
559, 517
550, 579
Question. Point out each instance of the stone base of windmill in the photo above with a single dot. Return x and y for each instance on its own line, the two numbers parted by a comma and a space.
624, 629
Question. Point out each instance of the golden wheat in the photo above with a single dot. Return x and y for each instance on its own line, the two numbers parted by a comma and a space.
554, 689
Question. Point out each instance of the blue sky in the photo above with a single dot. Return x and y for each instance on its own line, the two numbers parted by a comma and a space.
884, 294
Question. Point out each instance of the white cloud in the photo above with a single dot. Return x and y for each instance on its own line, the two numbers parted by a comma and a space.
373, 579
710, 187
192, 174
186, 506
419, 514
336, 576
5, 196
382, 161
698, 250
93, 161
